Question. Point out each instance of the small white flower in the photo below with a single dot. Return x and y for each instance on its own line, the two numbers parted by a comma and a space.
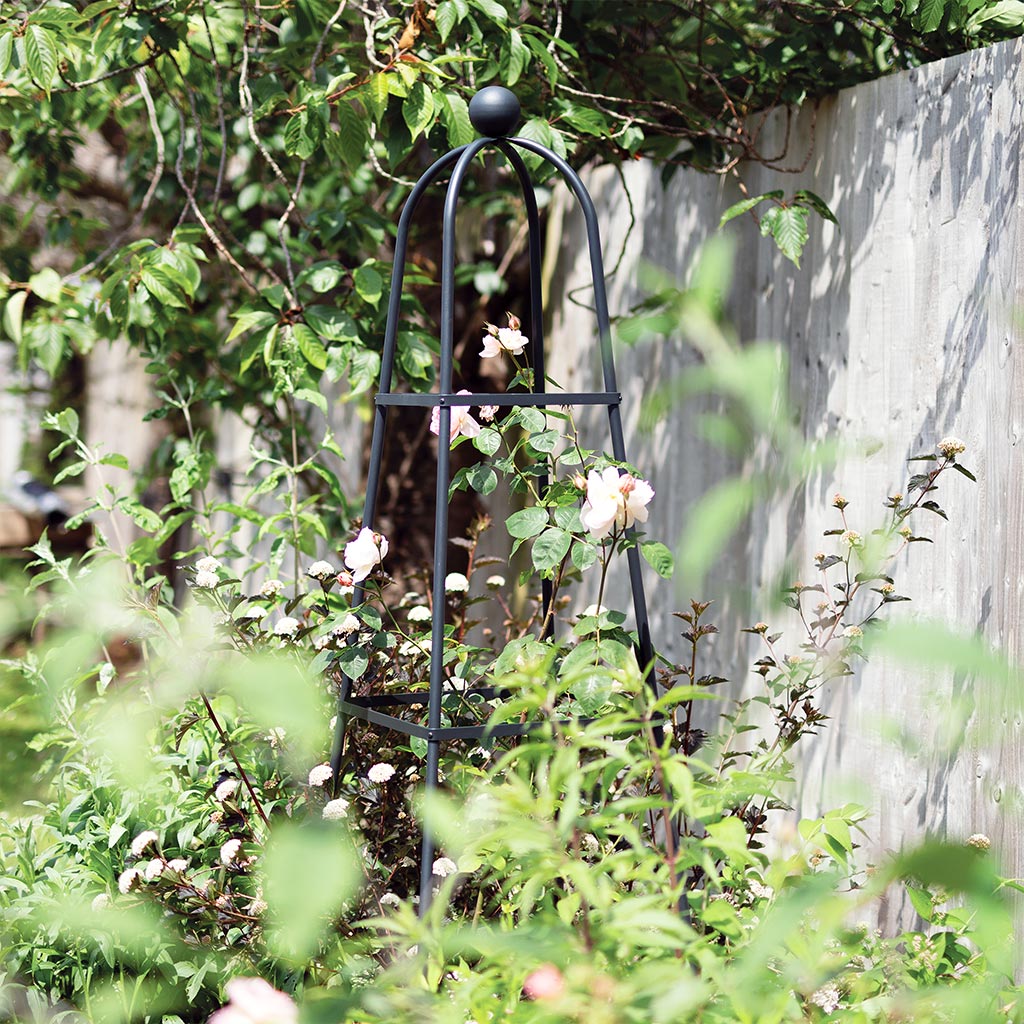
419, 613
979, 841
206, 580
827, 997
851, 538
380, 772
415, 648
488, 412
460, 423
101, 902
321, 571
949, 447
760, 891
207, 564
444, 866
286, 626
250, 613
271, 588
225, 790
153, 870
276, 736
258, 906
229, 851
389, 899
455, 583
177, 866
593, 609
320, 775
495, 581
853, 632
349, 624
142, 840
126, 880
365, 552
335, 810
590, 844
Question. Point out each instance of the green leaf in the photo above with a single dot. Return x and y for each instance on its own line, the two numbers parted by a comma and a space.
963, 471
527, 522
310, 346
369, 284
488, 441
323, 276
788, 226
445, 19
41, 55
353, 661
738, 209
583, 555
418, 109
805, 197
353, 136
46, 284
6, 50
929, 14
482, 479
13, 313
658, 557
307, 874
494, 10
247, 319
331, 323
455, 115
518, 58
550, 548
1007, 15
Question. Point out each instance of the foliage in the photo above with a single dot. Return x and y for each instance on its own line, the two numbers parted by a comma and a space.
610, 869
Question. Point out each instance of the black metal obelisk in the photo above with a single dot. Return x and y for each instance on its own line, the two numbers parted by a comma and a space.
495, 114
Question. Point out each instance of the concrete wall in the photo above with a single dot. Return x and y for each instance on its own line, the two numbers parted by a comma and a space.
899, 326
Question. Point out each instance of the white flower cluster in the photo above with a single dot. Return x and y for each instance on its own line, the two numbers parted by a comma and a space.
950, 447
335, 810
321, 571
320, 775
380, 772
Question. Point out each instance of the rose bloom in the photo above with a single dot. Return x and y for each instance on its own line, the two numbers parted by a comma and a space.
546, 982
365, 552
504, 339
254, 1001
614, 501
461, 422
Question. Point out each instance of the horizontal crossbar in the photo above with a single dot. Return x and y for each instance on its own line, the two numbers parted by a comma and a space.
358, 707
534, 398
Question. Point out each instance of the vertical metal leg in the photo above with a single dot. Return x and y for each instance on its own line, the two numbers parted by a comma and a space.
340, 728
427, 847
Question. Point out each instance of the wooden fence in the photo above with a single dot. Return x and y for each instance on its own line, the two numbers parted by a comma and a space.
901, 326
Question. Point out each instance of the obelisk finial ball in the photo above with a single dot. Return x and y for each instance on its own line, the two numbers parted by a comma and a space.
494, 111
